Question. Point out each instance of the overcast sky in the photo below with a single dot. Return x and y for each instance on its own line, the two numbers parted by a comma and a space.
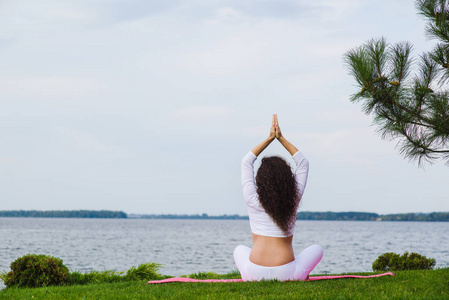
149, 106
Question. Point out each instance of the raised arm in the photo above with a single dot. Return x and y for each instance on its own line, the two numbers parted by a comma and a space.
259, 148
287, 145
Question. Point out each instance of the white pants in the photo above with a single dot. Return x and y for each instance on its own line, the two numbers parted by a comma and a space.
298, 269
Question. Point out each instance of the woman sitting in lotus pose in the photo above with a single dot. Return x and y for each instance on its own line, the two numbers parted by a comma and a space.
272, 200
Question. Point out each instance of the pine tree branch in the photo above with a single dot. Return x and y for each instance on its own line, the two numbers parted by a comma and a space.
416, 115
419, 116
422, 124
419, 145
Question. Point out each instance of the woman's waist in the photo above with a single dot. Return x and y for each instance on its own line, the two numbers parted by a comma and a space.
275, 241
271, 251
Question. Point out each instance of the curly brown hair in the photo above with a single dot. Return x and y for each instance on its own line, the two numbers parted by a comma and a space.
277, 190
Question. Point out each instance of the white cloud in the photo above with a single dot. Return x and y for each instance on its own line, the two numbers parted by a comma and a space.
250, 43
355, 146
343, 116
202, 113
313, 80
28, 19
7, 160
246, 44
84, 142
235, 55
255, 130
48, 87
334, 10
228, 13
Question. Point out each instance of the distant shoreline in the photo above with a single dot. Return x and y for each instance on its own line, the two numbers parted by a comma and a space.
315, 216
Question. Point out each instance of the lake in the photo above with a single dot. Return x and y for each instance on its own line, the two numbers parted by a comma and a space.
190, 246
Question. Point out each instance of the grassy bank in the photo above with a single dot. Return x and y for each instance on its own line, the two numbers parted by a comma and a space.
429, 284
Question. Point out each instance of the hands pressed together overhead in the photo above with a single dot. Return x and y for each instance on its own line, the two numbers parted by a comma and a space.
275, 131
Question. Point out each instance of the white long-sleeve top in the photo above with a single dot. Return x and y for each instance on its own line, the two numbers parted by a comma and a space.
261, 223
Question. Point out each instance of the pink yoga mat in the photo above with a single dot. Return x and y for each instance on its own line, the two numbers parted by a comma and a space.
311, 278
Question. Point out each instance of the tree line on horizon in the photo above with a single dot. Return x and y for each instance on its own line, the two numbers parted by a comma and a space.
313, 216
363, 216
100, 214
319, 216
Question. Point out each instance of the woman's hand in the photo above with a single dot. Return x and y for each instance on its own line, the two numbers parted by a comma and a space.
278, 133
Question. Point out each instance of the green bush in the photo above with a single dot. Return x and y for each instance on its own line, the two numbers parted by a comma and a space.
391, 261
148, 271
34, 270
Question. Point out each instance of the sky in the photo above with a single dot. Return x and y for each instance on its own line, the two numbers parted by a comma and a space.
149, 106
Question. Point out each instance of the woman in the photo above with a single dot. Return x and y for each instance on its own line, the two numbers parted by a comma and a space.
272, 200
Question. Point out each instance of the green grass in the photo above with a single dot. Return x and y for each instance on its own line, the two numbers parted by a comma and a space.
428, 284
147, 271
142, 272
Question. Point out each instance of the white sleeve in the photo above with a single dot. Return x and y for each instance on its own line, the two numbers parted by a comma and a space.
248, 182
301, 172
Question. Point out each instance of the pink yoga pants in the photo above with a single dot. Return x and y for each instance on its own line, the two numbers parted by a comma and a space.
298, 269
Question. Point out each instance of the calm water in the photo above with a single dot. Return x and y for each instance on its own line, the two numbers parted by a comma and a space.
188, 246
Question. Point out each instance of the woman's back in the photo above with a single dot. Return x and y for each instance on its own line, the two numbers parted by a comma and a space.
264, 215
271, 251
272, 246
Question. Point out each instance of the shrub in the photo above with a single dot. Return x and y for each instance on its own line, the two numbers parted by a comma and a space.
34, 270
146, 271
391, 261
